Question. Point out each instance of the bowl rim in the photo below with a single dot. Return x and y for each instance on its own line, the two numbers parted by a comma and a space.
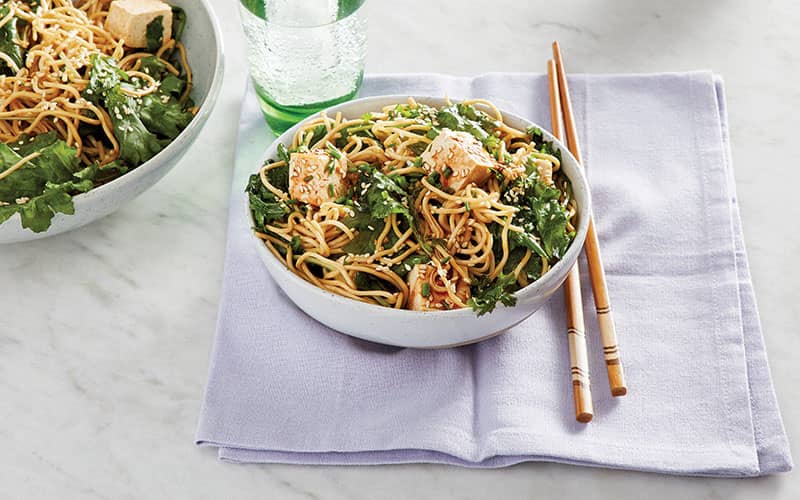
535, 288
186, 135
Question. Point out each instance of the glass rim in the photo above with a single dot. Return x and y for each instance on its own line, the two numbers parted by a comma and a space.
309, 26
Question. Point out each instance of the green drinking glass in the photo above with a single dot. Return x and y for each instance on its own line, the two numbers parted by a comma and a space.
304, 55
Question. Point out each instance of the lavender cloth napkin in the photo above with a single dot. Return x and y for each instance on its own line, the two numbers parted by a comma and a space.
283, 388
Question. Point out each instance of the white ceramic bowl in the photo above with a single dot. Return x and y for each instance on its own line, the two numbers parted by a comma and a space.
203, 41
426, 329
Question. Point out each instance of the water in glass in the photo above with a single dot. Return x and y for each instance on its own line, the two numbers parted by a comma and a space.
304, 55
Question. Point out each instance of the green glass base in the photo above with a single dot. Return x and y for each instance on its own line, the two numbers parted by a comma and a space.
281, 117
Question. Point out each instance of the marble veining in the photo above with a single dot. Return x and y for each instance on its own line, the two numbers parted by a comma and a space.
106, 331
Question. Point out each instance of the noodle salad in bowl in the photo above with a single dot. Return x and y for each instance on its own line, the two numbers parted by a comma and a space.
421, 204
89, 90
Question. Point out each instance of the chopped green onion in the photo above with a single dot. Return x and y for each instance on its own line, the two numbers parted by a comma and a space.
466, 204
331, 190
447, 171
426, 289
446, 260
333, 151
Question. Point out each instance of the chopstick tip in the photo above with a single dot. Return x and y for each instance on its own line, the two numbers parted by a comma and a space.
557, 53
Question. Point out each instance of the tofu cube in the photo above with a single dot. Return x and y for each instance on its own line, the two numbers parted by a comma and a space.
459, 158
316, 177
425, 294
128, 20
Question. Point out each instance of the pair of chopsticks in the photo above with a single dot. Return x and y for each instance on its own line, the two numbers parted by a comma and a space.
562, 118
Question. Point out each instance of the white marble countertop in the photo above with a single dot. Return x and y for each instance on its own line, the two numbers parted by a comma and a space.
106, 331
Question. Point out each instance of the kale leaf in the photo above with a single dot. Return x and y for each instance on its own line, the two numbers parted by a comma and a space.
380, 196
279, 177
366, 281
155, 34
145, 125
137, 144
173, 85
101, 175
533, 268
26, 145
265, 212
470, 112
487, 293
103, 78
170, 84
164, 115
542, 217
44, 185
37, 213
153, 66
368, 231
551, 220
8, 43
449, 117
385, 197
526, 239
178, 23
55, 164
264, 205
364, 240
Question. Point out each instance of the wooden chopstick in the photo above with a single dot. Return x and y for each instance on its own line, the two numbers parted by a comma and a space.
578, 356
608, 335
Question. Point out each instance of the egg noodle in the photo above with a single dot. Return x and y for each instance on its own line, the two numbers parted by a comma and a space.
462, 236
45, 93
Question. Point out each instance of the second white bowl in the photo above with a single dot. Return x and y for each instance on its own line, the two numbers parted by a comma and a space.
203, 41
